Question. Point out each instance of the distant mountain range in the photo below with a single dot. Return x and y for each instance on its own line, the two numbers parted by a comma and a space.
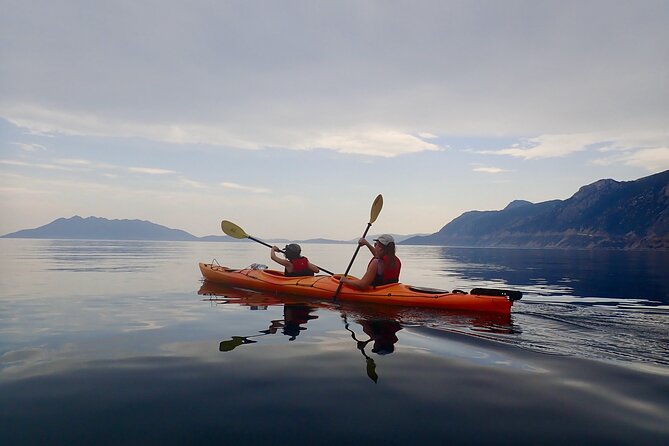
101, 228
97, 228
605, 214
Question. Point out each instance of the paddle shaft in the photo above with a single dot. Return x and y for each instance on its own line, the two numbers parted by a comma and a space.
235, 231
369, 225
269, 246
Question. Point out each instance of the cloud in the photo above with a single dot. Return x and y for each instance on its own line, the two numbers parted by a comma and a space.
73, 162
38, 165
29, 147
273, 74
151, 170
549, 146
631, 149
489, 169
372, 142
14, 163
191, 183
235, 186
86, 165
651, 159
384, 143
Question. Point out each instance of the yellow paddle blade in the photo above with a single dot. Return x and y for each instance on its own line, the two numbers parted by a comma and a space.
233, 230
376, 208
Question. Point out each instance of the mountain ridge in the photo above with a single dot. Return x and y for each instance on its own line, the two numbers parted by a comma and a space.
100, 228
605, 214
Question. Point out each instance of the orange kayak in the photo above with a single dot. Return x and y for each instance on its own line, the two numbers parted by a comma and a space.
324, 287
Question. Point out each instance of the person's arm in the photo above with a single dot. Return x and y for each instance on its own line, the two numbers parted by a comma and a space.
366, 280
364, 242
314, 268
283, 262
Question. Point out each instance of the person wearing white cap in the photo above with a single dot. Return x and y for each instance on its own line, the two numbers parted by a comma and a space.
384, 268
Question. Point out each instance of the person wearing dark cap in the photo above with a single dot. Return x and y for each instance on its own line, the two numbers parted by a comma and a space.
384, 268
294, 264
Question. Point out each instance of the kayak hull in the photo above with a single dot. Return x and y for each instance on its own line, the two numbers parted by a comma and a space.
324, 287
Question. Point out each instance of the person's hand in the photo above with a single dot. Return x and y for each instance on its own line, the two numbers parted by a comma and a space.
362, 241
275, 249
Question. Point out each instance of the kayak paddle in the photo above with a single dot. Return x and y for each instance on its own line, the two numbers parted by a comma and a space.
376, 210
235, 231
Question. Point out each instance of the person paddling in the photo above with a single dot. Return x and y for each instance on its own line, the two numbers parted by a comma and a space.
383, 269
294, 264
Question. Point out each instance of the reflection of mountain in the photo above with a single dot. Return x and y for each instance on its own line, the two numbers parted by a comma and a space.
604, 214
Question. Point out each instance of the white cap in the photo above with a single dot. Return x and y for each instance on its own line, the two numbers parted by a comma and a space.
385, 239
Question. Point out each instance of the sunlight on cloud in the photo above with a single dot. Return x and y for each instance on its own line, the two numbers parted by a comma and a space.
18, 190
14, 163
632, 150
550, 146
191, 183
489, 169
41, 120
212, 134
38, 165
71, 165
258, 190
651, 159
44, 121
73, 162
151, 170
29, 147
384, 143
86, 164
52, 166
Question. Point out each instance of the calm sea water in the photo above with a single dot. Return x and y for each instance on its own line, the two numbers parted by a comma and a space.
105, 342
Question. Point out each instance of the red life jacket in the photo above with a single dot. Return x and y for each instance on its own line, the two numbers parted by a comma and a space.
300, 268
389, 275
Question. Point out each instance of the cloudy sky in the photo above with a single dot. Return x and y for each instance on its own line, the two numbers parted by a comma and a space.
289, 117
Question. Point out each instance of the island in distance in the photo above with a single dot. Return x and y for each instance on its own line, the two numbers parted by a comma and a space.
98, 228
606, 214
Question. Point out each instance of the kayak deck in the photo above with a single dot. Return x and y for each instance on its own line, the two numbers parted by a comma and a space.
324, 287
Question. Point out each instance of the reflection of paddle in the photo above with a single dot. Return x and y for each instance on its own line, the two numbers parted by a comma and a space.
235, 231
371, 365
376, 209
236, 341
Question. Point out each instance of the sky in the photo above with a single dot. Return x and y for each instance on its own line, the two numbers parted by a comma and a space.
289, 117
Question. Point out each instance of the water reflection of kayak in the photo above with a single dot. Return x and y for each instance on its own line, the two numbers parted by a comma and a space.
324, 287
379, 323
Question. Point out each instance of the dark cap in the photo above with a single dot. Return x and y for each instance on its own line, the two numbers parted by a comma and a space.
293, 250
